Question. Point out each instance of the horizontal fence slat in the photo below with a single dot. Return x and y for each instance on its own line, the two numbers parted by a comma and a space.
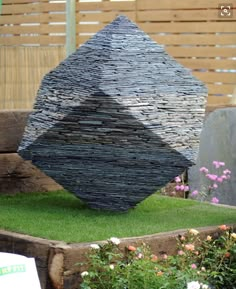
195, 39
19, 19
210, 77
180, 15
41, 40
30, 29
206, 52
194, 27
208, 63
106, 6
38, 18
219, 100
33, 8
21, 1
220, 89
90, 28
103, 16
81, 39
179, 4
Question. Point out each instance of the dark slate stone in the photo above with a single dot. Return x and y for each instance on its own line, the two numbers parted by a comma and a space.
116, 120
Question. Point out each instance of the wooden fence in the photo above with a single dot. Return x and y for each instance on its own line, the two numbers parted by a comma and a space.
21, 71
33, 34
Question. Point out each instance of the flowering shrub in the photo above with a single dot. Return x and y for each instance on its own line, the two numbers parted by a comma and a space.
214, 181
180, 186
198, 264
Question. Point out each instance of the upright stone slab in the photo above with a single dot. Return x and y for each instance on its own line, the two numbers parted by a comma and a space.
217, 142
116, 120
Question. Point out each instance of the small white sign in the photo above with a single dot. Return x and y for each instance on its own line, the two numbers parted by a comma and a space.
18, 272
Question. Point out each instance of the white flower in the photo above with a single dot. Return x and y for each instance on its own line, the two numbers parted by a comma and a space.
193, 232
204, 286
95, 246
193, 285
85, 273
115, 240
233, 235
112, 267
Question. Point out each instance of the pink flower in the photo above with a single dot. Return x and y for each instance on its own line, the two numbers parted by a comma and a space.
194, 266
154, 258
140, 256
186, 188
203, 170
177, 179
182, 187
214, 200
189, 247
181, 252
225, 172
215, 186
223, 227
177, 188
220, 179
212, 177
216, 164
194, 193
164, 256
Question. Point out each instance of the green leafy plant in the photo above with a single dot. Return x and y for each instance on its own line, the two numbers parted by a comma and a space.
198, 264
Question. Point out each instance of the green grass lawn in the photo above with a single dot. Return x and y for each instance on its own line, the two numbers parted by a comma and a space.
61, 216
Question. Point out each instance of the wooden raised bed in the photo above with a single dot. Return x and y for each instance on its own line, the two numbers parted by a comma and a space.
17, 175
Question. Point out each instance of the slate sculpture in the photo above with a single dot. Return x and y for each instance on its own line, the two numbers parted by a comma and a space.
116, 120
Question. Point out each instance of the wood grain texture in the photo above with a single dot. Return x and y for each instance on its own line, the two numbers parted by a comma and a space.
180, 4
189, 29
22, 69
20, 176
12, 125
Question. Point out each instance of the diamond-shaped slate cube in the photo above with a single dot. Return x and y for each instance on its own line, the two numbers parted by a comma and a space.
116, 120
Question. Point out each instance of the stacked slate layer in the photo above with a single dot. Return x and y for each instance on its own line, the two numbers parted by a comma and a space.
116, 120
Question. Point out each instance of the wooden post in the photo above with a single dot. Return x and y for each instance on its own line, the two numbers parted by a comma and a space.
70, 27
136, 11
